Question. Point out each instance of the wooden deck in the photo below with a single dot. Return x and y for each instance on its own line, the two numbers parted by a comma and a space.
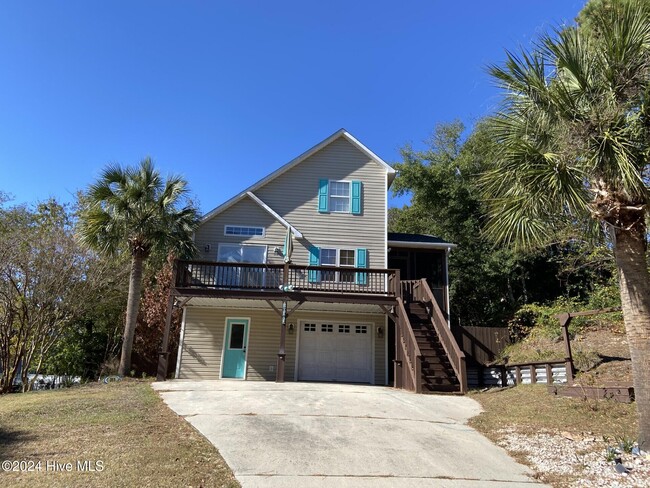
286, 282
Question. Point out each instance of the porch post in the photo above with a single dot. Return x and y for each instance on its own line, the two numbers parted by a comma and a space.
163, 354
279, 370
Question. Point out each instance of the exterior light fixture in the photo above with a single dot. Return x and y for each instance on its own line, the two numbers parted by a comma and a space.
290, 328
380, 332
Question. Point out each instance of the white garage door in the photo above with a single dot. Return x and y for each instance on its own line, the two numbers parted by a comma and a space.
331, 351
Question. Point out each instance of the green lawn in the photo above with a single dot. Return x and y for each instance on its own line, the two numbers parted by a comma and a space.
125, 426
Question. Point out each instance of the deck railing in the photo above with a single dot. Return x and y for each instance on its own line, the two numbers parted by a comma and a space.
418, 290
245, 276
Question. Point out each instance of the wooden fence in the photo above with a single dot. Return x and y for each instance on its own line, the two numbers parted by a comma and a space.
481, 344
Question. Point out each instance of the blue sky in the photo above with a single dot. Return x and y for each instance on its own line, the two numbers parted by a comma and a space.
225, 92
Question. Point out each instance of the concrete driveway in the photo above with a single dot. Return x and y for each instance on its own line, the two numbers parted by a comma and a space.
334, 435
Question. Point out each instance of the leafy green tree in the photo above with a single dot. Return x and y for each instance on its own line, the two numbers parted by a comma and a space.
487, 284
573, 144
134, 210
44, 278
94, 335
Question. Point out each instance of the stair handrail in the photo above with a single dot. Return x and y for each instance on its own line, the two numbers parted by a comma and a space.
456, 357
410, 346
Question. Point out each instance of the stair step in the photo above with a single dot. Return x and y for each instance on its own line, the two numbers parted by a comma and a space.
436, 360
426, 389
431, 350
438, 375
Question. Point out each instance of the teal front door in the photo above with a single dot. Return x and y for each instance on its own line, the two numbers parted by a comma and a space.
234, 351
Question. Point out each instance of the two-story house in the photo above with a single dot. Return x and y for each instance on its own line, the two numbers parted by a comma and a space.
298, 279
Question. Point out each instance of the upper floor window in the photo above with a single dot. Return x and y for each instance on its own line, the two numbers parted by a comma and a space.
339, 196
337, 257
346, 258
242, 230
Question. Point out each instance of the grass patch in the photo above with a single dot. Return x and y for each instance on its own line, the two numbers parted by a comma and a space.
530, 408
125, 425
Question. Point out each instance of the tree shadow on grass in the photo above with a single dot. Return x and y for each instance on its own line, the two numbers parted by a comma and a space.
9, 438
611, 359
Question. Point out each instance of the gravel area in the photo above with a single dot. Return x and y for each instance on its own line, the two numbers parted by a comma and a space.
576, 460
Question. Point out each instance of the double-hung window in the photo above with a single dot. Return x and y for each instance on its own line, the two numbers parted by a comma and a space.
340, 258
340, 196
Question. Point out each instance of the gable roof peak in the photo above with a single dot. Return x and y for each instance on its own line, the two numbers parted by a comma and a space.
342, 132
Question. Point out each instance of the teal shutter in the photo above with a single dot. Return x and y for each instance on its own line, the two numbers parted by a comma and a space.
355, 204
323, 196
362, 262
314, 260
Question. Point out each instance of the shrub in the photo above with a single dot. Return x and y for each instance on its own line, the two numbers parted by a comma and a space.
543, 319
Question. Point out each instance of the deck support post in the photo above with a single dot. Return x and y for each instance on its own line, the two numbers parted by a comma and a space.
282, 355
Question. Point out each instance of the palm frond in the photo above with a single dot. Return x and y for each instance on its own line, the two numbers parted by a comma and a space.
134, 209
568, 134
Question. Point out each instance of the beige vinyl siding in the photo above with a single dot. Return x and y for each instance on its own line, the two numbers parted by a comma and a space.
203, 344
243, 213
204, 331
263, 346
294, 195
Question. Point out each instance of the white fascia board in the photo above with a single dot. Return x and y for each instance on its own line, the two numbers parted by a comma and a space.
422, 245
254, 197
390, 172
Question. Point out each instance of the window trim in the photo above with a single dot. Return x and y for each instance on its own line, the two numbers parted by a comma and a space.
233, 226
337, 264
330, 196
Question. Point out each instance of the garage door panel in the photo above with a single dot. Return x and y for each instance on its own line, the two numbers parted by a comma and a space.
335, 352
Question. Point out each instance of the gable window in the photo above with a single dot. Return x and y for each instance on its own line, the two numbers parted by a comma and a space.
339, 197
242, 230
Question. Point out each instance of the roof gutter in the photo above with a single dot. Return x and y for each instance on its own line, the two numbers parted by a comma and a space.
422, 245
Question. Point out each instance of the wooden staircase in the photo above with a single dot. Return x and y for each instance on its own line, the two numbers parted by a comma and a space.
427, 357
437, 372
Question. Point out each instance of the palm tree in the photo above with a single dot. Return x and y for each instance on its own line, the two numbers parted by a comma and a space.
135, 210
573, 140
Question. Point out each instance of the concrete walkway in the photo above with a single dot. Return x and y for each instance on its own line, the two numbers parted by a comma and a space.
333, 435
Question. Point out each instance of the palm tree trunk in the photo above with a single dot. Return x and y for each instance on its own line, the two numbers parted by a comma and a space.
634, 278
132, 306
